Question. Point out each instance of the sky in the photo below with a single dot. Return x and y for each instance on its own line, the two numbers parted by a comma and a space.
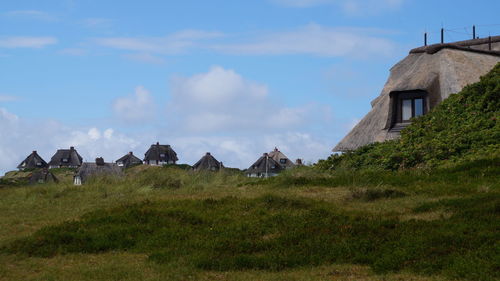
234, 78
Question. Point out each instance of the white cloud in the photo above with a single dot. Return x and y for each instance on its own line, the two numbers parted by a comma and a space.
222, 100
171, 44
31, 14
26, 42
19, 137
138, 107
314, 39
350, 7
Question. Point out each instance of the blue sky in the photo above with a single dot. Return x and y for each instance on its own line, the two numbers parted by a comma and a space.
232, 77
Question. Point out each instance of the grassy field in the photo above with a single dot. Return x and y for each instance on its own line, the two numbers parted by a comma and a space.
172, 224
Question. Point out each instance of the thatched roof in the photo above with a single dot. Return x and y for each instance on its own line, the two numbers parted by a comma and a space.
42, 176
128, 160
33, 161
73, 159
208, 162
89, 170
161, 153
439, 73
264, 164
281, 158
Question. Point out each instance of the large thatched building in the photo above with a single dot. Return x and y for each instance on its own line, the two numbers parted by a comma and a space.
33, 161
128, 160
158, 155
419, 82
264, 167
40, 176
208, 163
66, 158
99, 168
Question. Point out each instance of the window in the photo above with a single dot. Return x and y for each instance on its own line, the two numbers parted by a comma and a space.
65, 160
162, 155
408, 104
39, 164
283, 161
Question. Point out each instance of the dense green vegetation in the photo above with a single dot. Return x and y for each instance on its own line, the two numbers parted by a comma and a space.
464, 126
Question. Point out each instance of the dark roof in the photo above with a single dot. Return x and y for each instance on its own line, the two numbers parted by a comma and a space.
207, 162
260, 165
479, 45
129, 160
32, 161
278, 155
88, 170
156, 150
42, 176
74, 159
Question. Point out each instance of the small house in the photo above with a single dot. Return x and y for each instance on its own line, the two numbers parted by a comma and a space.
66, 158
418, 83
159, 155
33, 161
128, 160
208, 163
264, 167
281, 158
99, 168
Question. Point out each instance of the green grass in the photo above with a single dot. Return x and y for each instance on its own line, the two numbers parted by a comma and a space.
420, 224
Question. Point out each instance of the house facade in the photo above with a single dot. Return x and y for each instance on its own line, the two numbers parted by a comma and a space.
33, 161
66, 158
208, 163
264, 167
128, 160
418, 83
159, 155
281, 158
100, 168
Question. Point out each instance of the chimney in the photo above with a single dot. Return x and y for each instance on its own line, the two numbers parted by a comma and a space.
275, 148
99, 161
34, 151
130, 153
208, 153
72, 148
157, 143
265, 154
298, 162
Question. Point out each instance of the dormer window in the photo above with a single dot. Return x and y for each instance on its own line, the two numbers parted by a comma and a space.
162, 155
65, 160
407, 105
283, 161
39, 164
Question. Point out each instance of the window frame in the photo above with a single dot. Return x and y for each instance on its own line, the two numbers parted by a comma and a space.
399, 97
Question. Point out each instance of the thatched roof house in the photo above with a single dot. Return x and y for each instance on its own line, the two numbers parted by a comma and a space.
281, 158
418, 83
128, 160
208, 163
264, 167
42, 176
67, 158
159, 154
99, 168
33, 161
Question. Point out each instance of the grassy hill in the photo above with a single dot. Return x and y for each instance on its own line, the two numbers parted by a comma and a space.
425, 207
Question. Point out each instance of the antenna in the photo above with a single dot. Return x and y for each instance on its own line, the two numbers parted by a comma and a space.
442, 35
473, 32
425, 39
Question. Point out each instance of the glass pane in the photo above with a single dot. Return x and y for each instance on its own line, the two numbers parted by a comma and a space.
419, 107
406, 110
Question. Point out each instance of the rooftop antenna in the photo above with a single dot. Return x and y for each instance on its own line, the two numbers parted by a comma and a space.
425, 38
489, 42
473, 32
442, 35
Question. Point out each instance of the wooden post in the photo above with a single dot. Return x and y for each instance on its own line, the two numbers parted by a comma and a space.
425, 39
442, 35
489, 42
473, 32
